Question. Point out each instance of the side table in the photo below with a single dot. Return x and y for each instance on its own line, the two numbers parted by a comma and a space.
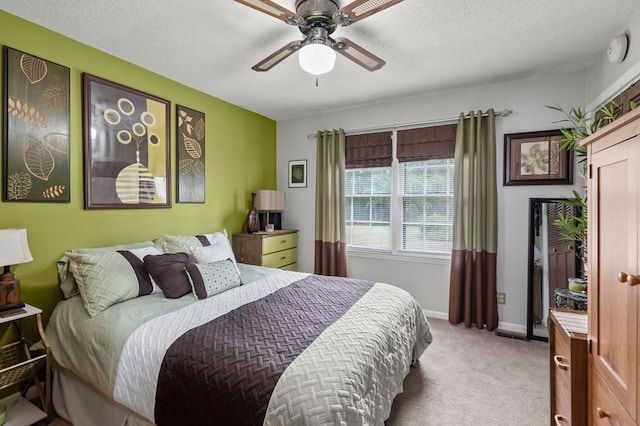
19, 365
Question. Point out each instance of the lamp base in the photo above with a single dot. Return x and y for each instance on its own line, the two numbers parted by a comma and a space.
9, 290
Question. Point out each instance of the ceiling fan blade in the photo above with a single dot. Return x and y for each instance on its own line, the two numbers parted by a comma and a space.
360, 9
358, 54
276, 57
275, 10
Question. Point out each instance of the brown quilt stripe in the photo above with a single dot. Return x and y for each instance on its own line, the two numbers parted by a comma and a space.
144, 281
224, 372
203, 240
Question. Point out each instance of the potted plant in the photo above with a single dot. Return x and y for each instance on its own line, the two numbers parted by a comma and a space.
581, 125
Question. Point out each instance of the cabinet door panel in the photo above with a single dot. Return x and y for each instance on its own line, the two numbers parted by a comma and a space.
613, 305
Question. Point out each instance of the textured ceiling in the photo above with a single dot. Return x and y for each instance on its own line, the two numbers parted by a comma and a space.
428, 45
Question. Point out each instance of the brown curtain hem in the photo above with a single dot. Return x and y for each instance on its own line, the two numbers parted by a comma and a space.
473, 291
330, 258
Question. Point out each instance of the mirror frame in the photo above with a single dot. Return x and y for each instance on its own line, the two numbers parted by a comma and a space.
530, 272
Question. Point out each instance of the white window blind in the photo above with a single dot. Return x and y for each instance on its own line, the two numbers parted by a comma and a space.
426, 191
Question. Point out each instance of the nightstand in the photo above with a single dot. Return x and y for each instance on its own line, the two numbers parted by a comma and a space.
277, 249
18, 365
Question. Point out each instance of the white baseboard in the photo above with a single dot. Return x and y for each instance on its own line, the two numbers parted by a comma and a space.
436, 314
504, 326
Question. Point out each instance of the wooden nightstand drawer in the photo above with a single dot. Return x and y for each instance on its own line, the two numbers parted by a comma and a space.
280, 258
279, 242
277, 249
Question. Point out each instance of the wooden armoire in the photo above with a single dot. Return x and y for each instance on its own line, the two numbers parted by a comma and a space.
614, 272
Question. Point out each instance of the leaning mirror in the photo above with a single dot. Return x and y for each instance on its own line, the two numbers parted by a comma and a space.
553, 261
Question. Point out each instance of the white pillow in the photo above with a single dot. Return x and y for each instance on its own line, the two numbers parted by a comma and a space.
216, 252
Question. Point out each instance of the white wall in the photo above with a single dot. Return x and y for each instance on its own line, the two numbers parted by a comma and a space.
428, 282
605, 80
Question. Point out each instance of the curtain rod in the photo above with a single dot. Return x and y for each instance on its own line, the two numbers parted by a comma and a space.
503, 113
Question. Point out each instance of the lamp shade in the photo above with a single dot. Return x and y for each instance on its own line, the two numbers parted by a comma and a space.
317, 58
269, 201
14, 247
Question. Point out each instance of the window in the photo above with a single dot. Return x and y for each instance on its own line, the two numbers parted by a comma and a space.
368, 207
405, 202
426, 190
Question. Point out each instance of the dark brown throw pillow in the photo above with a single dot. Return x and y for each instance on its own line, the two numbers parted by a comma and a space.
168, 271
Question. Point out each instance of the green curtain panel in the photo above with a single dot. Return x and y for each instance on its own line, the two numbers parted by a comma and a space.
330, 248
472, 293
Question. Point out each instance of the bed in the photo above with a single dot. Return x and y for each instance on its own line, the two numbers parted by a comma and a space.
246, 345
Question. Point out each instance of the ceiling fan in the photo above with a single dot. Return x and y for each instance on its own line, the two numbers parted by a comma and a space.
317, 20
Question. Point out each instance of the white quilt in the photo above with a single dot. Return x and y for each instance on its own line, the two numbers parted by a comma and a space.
349, 375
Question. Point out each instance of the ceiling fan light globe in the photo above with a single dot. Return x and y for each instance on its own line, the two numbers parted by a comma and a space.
317, 58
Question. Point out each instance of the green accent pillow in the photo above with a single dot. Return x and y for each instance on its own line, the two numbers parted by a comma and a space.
107, 277
67, 283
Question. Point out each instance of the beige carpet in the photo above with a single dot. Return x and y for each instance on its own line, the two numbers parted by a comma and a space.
471, 377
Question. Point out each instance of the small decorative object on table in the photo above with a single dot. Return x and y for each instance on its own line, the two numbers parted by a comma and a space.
565, 298
14, 249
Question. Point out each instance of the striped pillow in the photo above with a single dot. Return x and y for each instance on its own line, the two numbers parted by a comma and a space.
108, 277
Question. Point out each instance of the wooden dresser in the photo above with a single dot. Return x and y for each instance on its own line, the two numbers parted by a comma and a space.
614, 272
277, 249
568, 364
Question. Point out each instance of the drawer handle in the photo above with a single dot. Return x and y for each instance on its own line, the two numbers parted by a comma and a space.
601, 413
283, 257
561, 362
283, 241
560, 419
628, 278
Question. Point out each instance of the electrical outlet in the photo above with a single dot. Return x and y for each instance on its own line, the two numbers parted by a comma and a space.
502, 298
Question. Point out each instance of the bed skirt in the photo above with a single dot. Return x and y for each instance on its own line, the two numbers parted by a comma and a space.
80, 404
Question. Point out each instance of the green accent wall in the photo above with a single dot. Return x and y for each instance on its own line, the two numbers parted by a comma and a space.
240, 158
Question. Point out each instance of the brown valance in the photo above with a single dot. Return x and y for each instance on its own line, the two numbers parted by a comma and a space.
368, 150
427, 143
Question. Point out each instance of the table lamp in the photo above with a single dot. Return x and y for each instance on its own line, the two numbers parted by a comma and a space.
14, 249
269, 201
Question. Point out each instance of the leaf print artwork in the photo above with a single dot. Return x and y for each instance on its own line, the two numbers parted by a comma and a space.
38, 159
185, 166
57, 141
18, 186
56, 96
534, 158
37, 128
35, 69
191, 154
54, 191
23, 111
192, 147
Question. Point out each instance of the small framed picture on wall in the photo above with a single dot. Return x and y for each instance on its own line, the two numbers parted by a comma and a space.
298, 174
536, 158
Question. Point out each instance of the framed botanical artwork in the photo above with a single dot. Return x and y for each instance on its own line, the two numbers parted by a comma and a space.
126, 147
190, 125
36, 129
298, 174
536, 158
